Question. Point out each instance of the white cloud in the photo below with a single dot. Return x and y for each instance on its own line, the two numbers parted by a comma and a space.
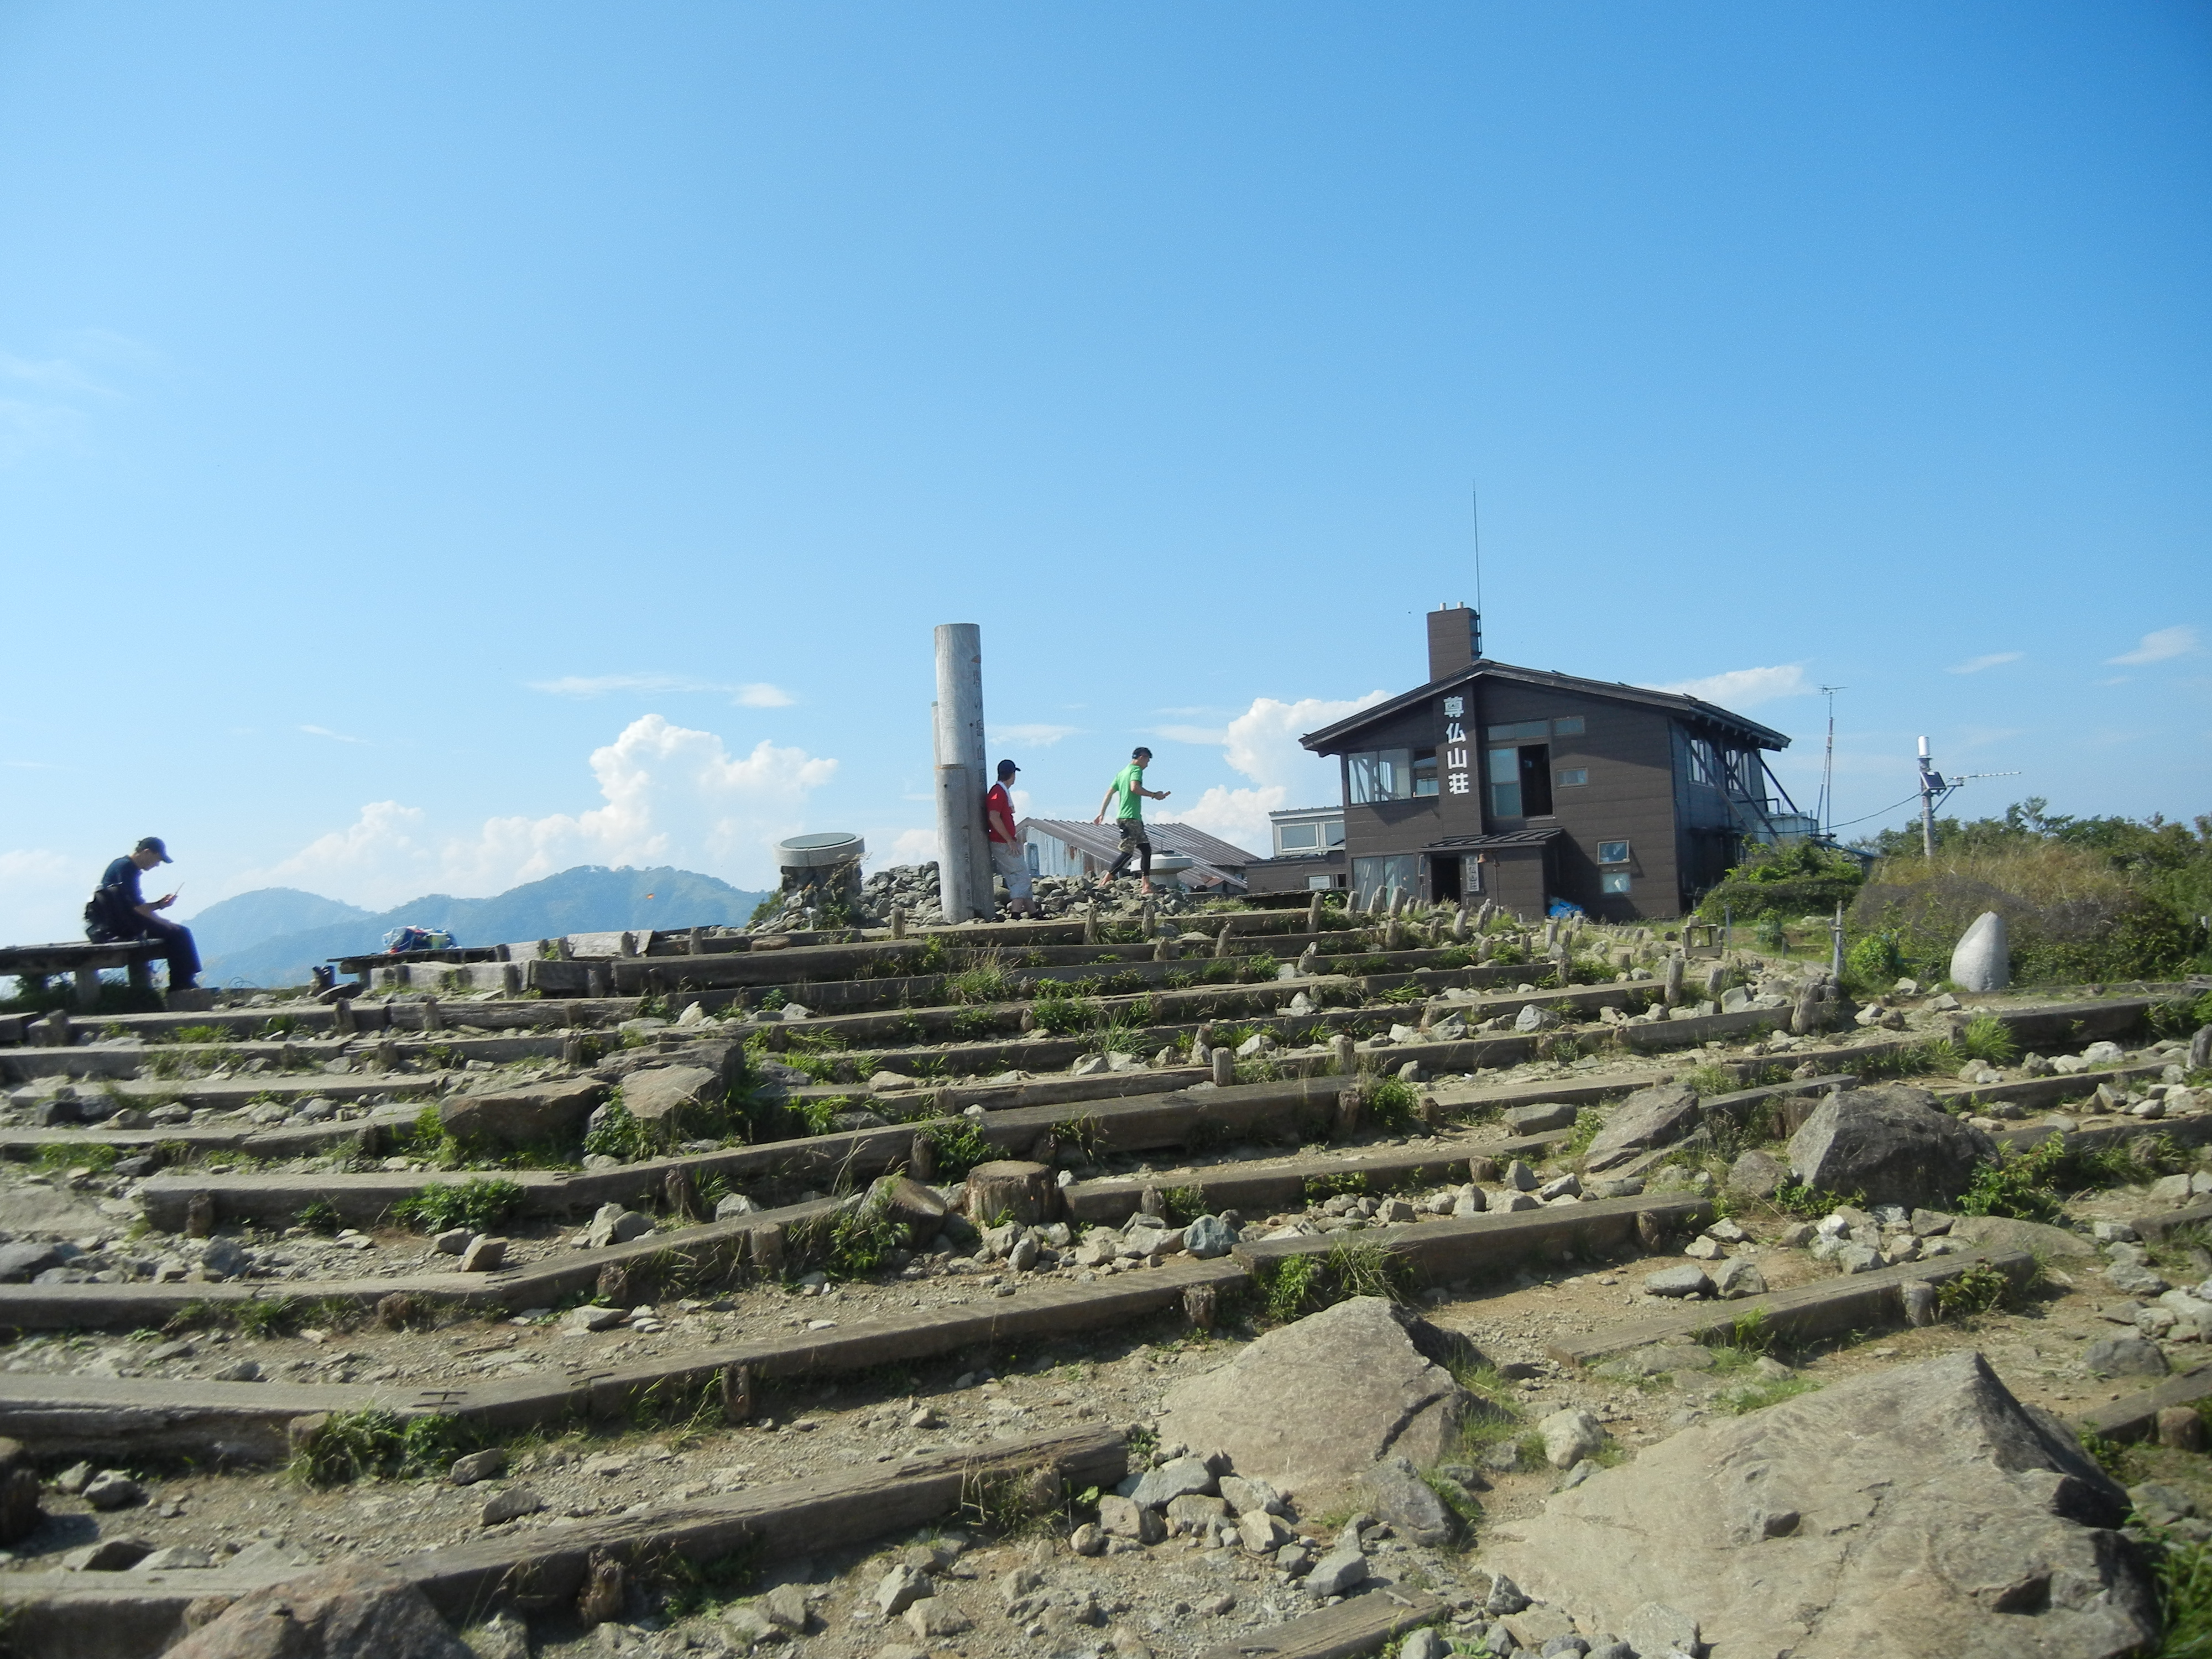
335, 736
757, 693
1262, 744
42, 896
668, 794
904, 846
1036, 737
1994, 659
2161, 646
1745, 688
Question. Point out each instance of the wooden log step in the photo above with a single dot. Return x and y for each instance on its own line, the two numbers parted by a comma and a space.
1439, 1252
1847, 1302
218, 1423
2040, 1093
1278, 1185
2195, 1130
2157, 1226
65, 1615
2135, 1416
1360, 1625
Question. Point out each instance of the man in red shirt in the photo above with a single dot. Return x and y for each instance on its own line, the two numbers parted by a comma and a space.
1009, 858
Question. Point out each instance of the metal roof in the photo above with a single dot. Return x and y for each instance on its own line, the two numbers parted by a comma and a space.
1765, 736
1503, 838
1208, 853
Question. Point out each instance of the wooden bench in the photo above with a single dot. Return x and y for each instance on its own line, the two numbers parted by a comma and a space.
85, 961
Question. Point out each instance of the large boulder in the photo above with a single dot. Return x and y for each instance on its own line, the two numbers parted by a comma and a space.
357, 1611
1918, 1511
1657, 1116
655, 1095
1982, 960
1890, 1144
1315, 1405
547, 1114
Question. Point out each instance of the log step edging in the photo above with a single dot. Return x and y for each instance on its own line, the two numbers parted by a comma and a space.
1360, 1625
1847, 1301
2135, 1416
64, 1615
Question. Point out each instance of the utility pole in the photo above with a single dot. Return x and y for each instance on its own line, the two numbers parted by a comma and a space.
964, 859
1931, 786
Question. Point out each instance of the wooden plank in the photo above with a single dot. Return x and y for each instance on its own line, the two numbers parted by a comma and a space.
1360, 1625
1440, 1251
2135, 1416
2190, 1215
214, 1422
1847, 1302
61, 1615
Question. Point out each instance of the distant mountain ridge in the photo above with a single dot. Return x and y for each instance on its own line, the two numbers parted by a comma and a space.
588, 899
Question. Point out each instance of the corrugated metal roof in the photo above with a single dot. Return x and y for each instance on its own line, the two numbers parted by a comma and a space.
1503, 838
1216, 857
1765, 736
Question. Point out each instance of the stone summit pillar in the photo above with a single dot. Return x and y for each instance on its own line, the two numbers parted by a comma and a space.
964, 859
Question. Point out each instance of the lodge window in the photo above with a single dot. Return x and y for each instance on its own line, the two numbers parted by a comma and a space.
1704, 765
1297, 837
1382, 774
1425, 772
1612, 881
1378, 877
1613, 851
1573, 777
1567, 726
1521, 782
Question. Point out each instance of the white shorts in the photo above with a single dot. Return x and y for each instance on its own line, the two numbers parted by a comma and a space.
1012, 861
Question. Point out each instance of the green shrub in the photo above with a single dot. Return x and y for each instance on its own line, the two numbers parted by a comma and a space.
958, 1147
1393, 1104
355, 1445
1986, 1039
1800, 880
320, 1215
480, 1204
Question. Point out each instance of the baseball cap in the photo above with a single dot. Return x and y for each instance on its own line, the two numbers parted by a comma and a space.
153, 844
1006, 769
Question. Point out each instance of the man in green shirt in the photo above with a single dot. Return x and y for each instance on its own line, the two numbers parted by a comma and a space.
1125, 795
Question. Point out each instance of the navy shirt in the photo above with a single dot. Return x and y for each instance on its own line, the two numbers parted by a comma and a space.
124, 874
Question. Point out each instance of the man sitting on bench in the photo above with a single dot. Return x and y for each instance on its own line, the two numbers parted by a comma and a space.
119, 911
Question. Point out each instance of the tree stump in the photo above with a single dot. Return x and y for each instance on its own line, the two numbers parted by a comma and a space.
199, 1214
1023, 1193
921, 1159
920, 1211
1202, 1305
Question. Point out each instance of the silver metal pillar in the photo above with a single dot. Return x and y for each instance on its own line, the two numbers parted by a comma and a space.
964, 866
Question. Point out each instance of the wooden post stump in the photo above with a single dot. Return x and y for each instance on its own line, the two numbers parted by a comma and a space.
342, 1018
1091, 924
1345, 1054
55, 1030
595, 980
1650, 1232
1459, 926
1810, 1012
898, 922
1152, 1202
1023, 1193
2200, 1048
682, 1196
88, 988
199, 1214
921, 1159
1225, 1068
1202, 1305
1671, 991
1480, 1169
1716, 982
432, 1019
768, 1249
695, 942
737, 1394
1221, 945
1349, 1103
613, 1286
1313, 914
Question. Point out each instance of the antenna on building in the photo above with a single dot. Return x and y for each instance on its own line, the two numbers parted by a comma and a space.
1826, 811
1475, 506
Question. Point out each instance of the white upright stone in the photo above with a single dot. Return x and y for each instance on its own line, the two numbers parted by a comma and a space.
1980, 962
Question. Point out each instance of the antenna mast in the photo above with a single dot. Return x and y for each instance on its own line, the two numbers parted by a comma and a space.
1475, 505
1825, 813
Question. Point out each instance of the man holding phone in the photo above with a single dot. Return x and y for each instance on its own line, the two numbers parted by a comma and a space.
119, 910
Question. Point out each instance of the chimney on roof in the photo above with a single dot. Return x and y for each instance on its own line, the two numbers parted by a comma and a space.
1454, 641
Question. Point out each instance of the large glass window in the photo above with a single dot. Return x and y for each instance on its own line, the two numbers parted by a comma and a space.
1613, 851
1425, 772
1704, 765
1382, 774
1297, 837
1524, 731
1612, 881
1567, 726
1505, 783
1374, 879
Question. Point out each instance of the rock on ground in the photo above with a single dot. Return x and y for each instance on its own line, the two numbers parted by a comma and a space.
1657, 1116
358, 1611
651, 1096
522, 1117
1318, 1403
1916, 1512
1890, 1144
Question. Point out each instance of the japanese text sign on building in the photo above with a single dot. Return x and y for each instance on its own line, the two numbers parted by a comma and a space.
1455, 747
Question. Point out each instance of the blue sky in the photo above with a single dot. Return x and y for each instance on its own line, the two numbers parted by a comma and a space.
439, 446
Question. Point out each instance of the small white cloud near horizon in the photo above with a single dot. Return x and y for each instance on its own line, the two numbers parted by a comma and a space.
1994, 659
668, 794
335, 736
1745, 688
1037, 736
758, 694
2161, 645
